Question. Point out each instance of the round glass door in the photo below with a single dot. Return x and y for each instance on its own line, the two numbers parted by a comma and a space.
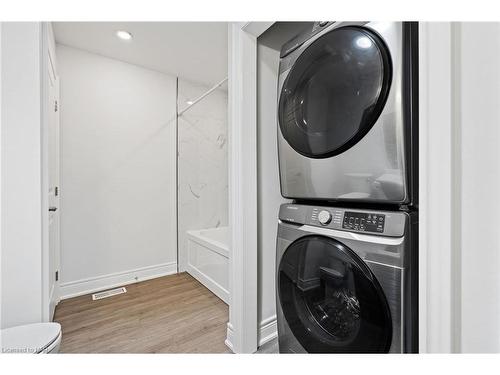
335, 92
331, 300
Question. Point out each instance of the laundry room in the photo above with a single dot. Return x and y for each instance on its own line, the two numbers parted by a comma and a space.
261, 187
330, 178
374, 193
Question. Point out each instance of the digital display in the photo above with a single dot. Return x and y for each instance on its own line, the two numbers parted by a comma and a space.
365, 222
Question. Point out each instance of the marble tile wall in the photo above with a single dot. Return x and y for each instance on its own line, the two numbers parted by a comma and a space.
202, 166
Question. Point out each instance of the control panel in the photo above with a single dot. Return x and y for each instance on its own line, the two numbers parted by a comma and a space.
382, 223
364, 222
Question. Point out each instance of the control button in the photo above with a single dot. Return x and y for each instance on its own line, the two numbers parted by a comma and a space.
324, 217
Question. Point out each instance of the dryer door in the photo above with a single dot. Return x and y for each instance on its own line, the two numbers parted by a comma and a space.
331, 300
335, 92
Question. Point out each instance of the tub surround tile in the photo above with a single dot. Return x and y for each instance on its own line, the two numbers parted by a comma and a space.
202, 147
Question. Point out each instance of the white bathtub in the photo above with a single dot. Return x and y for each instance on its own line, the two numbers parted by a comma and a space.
208, 259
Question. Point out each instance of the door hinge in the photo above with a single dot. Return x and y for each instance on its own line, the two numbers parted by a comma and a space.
55, 106
57, 275
56, 191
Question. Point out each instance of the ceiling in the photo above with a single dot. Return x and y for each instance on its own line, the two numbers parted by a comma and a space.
196, 51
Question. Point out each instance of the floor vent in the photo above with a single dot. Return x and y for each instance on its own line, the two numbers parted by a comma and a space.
108, 293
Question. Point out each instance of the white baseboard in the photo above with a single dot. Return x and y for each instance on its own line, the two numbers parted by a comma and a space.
268, 330
229, 338
95, 284
210, 283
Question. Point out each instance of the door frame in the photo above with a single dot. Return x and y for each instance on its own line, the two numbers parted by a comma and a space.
440, 156
242, 328
50, 296
438, 264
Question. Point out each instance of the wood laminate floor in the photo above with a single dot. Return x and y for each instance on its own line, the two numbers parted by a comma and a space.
171, 314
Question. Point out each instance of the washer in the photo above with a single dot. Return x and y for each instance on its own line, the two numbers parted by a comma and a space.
347, 113
346, 280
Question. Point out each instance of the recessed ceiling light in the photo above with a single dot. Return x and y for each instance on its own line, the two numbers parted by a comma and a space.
122, 34
189, 102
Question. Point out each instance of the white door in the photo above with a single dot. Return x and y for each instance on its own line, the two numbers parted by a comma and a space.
54, 193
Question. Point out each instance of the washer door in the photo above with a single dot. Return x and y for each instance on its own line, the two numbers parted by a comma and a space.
331, 300
335, 92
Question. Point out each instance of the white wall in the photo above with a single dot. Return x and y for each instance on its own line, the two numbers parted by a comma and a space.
268, 188
479, 115
202, 170
21, 257
459, 183
118, 171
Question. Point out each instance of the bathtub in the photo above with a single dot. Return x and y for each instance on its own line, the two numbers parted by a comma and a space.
208, 259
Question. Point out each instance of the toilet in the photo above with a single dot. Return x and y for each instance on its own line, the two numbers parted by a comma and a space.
31, 338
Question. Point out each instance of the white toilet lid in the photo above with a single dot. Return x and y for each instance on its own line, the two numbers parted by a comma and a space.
29, 338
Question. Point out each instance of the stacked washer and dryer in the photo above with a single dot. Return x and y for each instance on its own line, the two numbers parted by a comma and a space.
347, 250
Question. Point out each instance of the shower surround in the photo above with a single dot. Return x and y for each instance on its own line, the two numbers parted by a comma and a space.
202, 164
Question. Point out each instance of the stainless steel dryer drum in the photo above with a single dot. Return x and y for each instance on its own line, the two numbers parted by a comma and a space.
347, 113
346, 281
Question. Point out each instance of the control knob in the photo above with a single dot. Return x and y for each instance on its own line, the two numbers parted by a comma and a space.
324, 217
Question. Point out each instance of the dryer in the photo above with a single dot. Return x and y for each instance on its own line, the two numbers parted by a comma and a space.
346, 280
347, 113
